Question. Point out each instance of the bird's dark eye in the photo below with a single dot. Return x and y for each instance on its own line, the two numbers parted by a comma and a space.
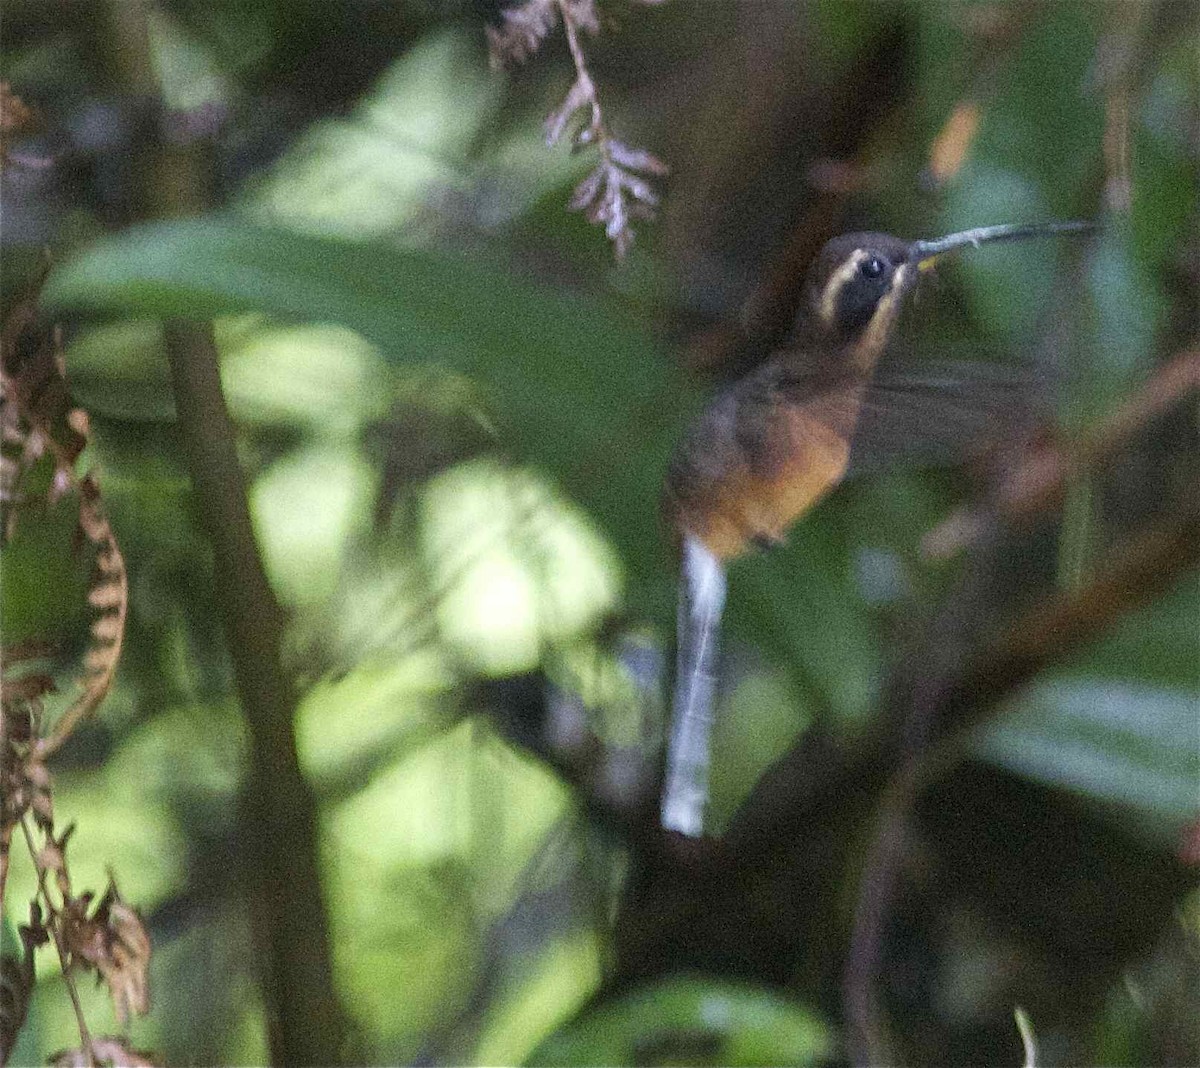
871, 267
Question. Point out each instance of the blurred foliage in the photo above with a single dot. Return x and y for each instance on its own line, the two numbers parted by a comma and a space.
455, 409
689, 1021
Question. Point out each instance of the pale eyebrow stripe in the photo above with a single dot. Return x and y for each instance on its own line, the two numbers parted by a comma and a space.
836, 281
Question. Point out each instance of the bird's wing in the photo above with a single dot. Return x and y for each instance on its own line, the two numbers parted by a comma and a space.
940, 413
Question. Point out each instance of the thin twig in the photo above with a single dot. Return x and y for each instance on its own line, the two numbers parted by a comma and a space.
581, 71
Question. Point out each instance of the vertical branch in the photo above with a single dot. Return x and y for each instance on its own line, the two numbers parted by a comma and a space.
278, 820
278, 816
279, 813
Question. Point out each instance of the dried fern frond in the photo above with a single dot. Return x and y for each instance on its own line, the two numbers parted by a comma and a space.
113, 940
40, 419
110, 941
24, 781
109, 595
614, 195
37, 416
40, 424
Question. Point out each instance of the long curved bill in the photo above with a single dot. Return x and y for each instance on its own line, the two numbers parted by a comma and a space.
924, 253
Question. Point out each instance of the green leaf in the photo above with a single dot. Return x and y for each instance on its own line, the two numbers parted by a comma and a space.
1130, 746
10, 941
576, 388
799, 603
690, 1021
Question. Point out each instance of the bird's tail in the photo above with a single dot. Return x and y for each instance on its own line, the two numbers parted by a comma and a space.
701, 602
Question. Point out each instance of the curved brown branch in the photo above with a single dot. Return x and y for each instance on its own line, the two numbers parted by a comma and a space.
109, 594
1134, 574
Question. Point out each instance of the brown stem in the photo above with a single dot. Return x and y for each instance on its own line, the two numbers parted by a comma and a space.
866, 1030
278, 817
581, 72
64, 961
279, 812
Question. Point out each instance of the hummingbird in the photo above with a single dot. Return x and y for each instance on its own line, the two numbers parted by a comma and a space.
775, 442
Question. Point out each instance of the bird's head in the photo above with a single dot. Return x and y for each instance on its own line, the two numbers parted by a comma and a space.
857, 285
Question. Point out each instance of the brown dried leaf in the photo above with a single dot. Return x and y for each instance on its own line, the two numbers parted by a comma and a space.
636, 159
50, 858
41, 804
24, 781
36, 414
34, 933
26, 785
83, 935
124, 960
521, 31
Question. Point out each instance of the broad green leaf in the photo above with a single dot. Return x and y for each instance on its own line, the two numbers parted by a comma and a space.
575, 388
690, 1021
1129, 745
